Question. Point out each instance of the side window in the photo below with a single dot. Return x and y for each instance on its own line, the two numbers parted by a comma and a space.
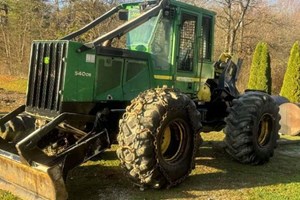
108, 67
134, 67
187, 42
207, 38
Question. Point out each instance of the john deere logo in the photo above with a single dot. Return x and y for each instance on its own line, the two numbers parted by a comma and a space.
46, 60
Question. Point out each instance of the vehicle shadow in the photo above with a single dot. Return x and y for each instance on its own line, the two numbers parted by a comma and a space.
214, 171
226, 173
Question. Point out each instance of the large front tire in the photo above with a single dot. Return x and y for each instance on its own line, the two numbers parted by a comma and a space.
158, 136
252, 128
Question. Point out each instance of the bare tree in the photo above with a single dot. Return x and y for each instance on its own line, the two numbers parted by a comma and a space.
25, 21
231, 20
199, 3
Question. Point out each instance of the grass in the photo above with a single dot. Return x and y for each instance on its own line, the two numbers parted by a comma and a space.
216, 176
11, 83
7, 196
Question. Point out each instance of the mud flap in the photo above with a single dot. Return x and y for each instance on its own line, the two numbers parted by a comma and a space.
290, 119
40, 182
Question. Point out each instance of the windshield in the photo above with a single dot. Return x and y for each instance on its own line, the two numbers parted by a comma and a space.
139, 38
161, 44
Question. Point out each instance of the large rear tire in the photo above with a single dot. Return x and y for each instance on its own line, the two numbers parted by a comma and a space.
252, 128
280, 100
158, 138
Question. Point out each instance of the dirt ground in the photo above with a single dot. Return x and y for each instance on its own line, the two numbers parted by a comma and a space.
10, 100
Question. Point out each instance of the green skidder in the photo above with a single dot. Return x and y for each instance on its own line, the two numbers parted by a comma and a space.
260, 73
291, 82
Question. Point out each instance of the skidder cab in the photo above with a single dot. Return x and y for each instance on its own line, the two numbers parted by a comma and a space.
150, 84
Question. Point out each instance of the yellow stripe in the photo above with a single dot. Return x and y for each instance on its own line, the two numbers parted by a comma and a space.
189, 79
163, 77
180, 78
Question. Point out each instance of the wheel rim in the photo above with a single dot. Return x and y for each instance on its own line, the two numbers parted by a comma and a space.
173, 140
265, 130
166, 140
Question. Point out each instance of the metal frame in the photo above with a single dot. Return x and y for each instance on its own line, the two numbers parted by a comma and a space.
12, 114
27, 147
118, 32
92, 24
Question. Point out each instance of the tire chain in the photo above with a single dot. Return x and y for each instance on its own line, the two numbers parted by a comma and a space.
158, 97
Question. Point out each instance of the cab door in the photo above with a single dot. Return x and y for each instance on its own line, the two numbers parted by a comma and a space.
194, 42
187, 52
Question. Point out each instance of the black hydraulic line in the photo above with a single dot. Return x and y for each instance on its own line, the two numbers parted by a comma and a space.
125, 28
92, 24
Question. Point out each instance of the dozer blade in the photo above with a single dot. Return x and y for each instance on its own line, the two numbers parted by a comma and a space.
290, 119
27, 182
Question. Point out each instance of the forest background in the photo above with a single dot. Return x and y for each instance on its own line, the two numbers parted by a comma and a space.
240, 25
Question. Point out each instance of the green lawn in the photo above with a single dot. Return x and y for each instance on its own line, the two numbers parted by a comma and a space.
7, 196
216, 176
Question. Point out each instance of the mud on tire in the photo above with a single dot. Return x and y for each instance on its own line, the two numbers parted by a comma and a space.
252, 128
158, 138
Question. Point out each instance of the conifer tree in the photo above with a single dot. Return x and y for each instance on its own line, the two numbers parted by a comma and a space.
260, 73
291, 82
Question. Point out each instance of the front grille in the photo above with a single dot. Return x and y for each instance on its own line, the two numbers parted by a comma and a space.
46, 75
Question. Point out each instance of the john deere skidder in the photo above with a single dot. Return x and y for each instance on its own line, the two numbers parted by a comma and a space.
154, 96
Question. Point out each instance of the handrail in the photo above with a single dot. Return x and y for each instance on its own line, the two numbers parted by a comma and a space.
92, 24
125, 28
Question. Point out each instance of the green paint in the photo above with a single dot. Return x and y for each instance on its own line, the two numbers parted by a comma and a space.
90, 77
79, 75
